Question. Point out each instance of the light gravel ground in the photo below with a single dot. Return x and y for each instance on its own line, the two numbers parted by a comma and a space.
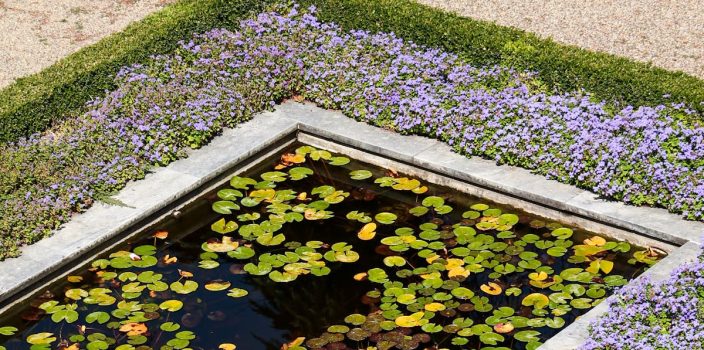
36, 33
668, 33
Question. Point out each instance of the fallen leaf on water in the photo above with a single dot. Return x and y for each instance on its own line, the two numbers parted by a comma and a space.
168, 260
360, 276
595, 241
133, 328
367, 232
161, 234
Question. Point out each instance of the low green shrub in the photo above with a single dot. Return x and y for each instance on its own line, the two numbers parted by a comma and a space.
33, 103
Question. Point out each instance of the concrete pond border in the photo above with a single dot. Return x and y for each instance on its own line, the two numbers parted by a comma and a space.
165, 190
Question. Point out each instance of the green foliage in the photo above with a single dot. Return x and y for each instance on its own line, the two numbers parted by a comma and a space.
560, 67
33, 103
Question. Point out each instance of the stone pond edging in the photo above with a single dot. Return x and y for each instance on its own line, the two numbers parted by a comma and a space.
169, 188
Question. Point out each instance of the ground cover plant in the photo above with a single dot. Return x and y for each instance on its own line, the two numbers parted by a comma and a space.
34, 103
648, 315
641, 155
409, 265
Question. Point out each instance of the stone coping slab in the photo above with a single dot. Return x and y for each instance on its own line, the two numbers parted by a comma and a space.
166, 188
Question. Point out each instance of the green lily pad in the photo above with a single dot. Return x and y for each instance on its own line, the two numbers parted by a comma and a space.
225, 207
385, 218
360, 174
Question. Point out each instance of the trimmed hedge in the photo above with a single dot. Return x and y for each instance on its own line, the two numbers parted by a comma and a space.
33, 103
564, 68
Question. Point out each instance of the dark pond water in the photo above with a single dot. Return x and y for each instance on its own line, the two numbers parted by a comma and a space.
336, 254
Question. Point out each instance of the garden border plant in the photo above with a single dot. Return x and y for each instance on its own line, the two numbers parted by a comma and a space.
33, 103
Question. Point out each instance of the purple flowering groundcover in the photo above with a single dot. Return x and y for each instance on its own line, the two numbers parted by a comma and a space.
637, 154
640, 155
653, 316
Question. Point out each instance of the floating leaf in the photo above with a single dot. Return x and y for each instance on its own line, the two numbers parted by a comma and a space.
98, 316
75, 279
491, 338
394, 260
224, 227
562, 233
527, 336
338, 161
225, 207
237, 293
299, 173
229, 194
418, 211
184, 287
491, 288
433, 201
227, 346
503, 328
169, 326
537, 300
241, 182
217, 285
360, 174
133, 328
8, 330
41, 338
385, 218
595, 241
171, 305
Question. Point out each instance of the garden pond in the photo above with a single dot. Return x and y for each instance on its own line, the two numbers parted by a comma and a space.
313, 250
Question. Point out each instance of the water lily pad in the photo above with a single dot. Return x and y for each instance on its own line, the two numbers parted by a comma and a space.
339, 160
527, 336
537, 300
225, 207
223, 227
491, 288
418, 211
360, 174
491, 338
394, 261
185, 287
217, 285
237, 293
562, 233
8, 330
433, 201
171, 305
385, 218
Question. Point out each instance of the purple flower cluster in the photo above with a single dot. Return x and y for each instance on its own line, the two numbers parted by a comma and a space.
652, 316
641, 155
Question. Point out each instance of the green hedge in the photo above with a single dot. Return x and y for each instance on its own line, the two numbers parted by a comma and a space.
563, 67
32, 103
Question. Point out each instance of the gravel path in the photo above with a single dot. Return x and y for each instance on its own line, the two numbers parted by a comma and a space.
37, 33
668, 33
